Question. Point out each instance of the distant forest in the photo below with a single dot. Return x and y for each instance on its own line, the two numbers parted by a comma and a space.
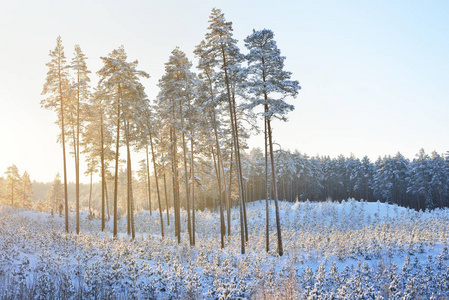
421, 183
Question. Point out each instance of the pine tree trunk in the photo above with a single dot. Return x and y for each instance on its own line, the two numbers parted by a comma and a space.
217, 172
107, 198
189, 221
267, 190
116, 164
239, 169
220, 166
90, 194
231, 165
226, 195
236, 150
157, 184
276, 204
77, 217
66, 197
103, 181
192, 168
77, 159
130, 185
176, 203
148, 177
166, 200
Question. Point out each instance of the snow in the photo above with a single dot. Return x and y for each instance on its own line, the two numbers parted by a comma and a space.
345, 250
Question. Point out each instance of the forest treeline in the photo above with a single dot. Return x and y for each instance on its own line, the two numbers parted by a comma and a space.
421, 183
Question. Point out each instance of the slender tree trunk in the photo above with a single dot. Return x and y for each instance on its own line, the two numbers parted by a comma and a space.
157, 184
166, 200
148, 177
276, 204
90, 194
116, 163
130, 185
176, 186
267, 190
66, 198
189, 221
77, 214
77, 159
239, 164
226, 190
103, 181
236, 150
217, 172
192, 168
231, 165
220, 166
107, 198
128, 197
227, 196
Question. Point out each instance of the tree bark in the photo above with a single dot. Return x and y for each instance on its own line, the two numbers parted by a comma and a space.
130, 185
189, 221
192, 169
116, 163
166, 200
236, 150
267, 190
157, 185
90, 195
273, 176
66, 198
148, 177
217, 172
103, 181
176, 203
77, 162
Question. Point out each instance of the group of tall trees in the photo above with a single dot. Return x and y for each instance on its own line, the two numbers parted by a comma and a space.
420, 183
196, 120
16, 189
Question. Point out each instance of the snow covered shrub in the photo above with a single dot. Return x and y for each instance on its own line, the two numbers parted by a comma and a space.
323, 243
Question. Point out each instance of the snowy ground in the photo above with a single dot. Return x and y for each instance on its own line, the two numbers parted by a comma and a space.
343, 250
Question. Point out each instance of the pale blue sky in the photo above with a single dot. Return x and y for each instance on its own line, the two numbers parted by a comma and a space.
374, 74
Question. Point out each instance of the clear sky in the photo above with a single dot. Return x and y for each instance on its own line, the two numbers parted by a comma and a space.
374, 74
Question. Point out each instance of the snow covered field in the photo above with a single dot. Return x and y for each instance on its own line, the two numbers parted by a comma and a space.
343, 250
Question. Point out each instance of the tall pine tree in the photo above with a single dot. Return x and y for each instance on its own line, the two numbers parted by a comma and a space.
57, 86
81, 88
269, 85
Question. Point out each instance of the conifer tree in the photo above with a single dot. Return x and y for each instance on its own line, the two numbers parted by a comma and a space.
27, 190
97, 141
122, 79
12, 183
224, 54
81, 88
56, 194
177, 90
270, 85
211, 108
57, 86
